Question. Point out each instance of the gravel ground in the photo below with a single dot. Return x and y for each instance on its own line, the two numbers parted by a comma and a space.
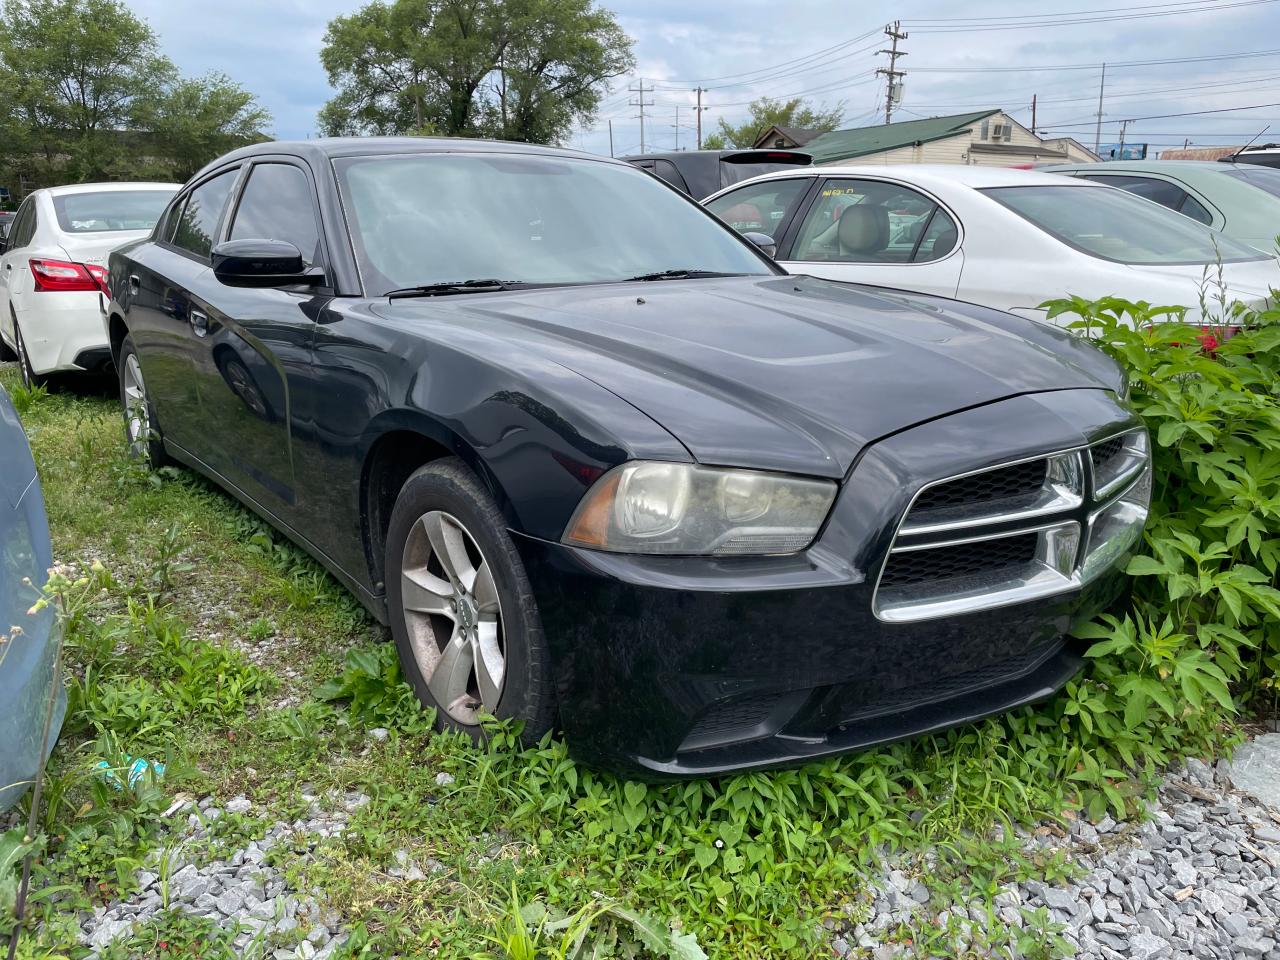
1200, 878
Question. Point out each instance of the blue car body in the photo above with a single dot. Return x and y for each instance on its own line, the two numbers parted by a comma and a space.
28, 653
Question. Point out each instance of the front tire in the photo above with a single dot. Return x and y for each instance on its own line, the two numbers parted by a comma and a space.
141, 430
462, 612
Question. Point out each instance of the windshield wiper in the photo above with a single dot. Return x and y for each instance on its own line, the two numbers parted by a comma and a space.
682, 273
452, 287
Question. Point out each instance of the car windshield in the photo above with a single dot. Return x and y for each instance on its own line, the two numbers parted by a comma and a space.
447, 217
1114, 225
110, 210
1266, 178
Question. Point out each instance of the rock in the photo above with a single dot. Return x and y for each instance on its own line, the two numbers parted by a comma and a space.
1147, 946
1235, 924
306, 950
1060, 900
443, 779
107, 931
1255, 769
378, 733
239, 805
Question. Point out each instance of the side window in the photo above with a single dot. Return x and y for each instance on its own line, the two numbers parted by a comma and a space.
278, 204
867, 221
24, 224
1161, 191
1196, 210
164, 229
666, 170
760, 207
199, 220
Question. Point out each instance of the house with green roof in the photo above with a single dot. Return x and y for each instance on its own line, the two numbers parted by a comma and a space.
989, 137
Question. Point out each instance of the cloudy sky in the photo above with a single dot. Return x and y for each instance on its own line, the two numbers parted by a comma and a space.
826, 51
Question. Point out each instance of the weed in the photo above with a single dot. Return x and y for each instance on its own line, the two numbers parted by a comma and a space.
26, 398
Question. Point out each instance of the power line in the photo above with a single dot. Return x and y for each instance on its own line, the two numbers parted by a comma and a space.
810, 56
1094, 66
1036, 20
1190, 113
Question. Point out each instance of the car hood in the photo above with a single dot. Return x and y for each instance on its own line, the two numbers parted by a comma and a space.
783, 373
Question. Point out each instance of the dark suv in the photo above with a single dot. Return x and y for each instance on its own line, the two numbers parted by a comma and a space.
701, 173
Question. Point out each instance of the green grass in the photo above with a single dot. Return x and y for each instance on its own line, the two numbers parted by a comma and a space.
203, 622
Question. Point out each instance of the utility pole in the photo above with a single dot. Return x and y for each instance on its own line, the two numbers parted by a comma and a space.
1033, 114
677, 126
1097, 131
894, 93
698, 109
640, 102
611, 138
1123, 125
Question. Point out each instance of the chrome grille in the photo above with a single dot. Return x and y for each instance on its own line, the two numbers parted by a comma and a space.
1016, 531
1020, 479
959, 560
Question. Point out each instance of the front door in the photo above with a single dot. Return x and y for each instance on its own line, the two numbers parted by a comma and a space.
877, 232
257, 344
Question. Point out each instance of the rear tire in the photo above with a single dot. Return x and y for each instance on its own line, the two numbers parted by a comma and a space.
141, 429
30, 379
462, 611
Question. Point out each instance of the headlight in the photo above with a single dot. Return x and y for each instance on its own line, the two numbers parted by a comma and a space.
682, 508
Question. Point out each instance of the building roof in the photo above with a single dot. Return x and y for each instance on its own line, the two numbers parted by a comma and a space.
1198, 153
862, 141
797, 135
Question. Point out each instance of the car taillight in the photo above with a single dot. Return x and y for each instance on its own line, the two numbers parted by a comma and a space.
52, 275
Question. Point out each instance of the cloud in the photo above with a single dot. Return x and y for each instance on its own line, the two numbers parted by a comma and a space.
762, 47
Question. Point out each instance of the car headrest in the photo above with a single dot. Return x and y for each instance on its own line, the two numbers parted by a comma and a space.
744, 216
863, 229
945, 240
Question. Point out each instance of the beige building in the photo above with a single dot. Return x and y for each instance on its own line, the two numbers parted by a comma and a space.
988, 137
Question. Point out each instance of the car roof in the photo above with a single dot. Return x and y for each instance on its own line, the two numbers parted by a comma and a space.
1147, 166
111, 187
931, 175
325, 148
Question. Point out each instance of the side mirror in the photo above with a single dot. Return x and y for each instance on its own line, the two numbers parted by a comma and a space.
262, 263
764, 242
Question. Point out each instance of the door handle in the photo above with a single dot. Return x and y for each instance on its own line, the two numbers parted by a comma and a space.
134, 283
199, 322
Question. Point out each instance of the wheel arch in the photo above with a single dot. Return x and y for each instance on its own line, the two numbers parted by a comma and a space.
117, 330
397, 443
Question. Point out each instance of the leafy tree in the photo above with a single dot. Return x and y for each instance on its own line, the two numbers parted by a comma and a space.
767, 112
514, 69
197, 119
89, 96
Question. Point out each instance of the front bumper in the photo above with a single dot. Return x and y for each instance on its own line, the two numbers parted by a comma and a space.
669, 667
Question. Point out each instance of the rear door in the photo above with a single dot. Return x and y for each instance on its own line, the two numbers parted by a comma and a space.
166, 317
257, 342
13, 263
877, 232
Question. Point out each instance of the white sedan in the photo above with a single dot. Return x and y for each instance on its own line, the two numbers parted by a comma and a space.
1008, 239
53, 268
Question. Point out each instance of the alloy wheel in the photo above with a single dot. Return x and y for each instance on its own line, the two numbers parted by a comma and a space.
453, 617
137, 411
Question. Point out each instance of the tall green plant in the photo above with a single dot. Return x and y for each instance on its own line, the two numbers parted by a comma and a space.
1204, 632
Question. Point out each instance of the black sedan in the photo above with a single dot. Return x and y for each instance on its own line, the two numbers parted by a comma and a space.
599, 463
